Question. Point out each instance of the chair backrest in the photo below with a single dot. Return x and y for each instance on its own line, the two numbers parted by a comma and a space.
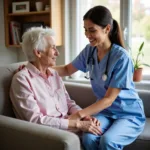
6, 74
145, 96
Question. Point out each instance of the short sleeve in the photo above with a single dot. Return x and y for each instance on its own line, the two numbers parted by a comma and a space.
122, 76
81, 60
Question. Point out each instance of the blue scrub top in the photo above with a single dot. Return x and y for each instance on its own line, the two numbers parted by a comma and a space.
120, 75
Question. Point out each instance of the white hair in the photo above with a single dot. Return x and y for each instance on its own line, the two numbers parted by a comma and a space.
34, 38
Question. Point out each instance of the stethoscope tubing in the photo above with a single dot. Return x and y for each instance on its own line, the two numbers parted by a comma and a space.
105, 75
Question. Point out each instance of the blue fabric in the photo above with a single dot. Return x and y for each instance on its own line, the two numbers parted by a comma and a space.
120, 75
127, 107
117, 133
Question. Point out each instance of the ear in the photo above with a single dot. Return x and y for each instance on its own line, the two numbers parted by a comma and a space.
107, 29
37, 53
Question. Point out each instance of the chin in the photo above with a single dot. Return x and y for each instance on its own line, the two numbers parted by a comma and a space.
52, 65
93, 44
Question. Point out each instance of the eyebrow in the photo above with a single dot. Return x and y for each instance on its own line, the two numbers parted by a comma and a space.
90, 28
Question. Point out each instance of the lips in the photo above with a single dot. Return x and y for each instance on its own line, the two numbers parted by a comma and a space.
54, 59
91, 41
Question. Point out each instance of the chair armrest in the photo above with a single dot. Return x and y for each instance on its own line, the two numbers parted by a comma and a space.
17, 134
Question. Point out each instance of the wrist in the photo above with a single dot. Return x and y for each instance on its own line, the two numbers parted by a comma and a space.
72, 124
80, 114
77, 124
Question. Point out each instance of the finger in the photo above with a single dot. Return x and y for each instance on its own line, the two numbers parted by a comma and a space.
87, 118
21, 67
94, 120
97, 123
95, 130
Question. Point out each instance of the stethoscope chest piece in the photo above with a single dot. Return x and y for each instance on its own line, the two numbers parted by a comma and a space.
104, 77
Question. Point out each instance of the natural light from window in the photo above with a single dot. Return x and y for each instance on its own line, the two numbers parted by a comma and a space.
141, 29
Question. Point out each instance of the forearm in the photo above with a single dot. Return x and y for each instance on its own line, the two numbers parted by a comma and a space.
72, 124
73, 107
65, 70
62, 70
38, 117
95, 108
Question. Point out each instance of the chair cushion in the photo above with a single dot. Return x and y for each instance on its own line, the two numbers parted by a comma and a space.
145, 135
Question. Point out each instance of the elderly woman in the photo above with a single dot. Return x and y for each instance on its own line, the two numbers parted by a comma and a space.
37, 92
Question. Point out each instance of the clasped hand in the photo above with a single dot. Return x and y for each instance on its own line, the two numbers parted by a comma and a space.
87, 124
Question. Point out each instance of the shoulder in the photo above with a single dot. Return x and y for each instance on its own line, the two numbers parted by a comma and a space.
23, 74
87, 50
120, 57
119, 52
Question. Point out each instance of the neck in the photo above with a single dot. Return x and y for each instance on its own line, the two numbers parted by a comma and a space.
103, 49
40, 67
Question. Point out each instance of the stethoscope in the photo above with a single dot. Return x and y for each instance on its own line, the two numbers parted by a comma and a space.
91, 59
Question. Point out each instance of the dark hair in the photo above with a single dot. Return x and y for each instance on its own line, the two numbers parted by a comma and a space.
101, 16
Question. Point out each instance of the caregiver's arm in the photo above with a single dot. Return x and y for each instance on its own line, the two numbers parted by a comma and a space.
65, 70
100, 105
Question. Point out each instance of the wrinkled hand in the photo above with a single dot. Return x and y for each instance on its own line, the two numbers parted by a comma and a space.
95, 120
19, 69
89, 126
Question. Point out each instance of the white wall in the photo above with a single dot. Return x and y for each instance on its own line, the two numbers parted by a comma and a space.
7, 56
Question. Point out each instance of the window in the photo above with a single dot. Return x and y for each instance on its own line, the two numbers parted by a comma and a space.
132, 15
82, 7
141, 29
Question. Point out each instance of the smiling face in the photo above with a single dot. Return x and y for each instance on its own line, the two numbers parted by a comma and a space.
49, 55
97, 35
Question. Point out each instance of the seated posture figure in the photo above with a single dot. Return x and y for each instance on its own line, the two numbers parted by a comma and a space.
37, 92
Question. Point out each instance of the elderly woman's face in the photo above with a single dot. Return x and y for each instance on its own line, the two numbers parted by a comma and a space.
50, 54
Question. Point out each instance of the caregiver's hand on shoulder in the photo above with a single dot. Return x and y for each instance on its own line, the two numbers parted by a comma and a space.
89, 126
19, 69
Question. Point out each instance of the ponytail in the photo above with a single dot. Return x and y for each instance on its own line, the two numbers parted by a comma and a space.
116, 34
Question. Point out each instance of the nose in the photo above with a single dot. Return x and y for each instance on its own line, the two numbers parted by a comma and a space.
56, 52
87, 34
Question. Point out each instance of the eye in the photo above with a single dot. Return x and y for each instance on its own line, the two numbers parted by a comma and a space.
85, 30
53, 47
92, 31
